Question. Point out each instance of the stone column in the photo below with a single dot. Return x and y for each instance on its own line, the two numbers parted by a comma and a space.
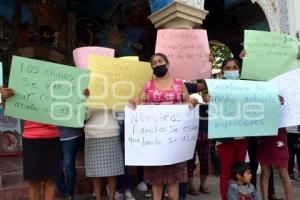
184, 14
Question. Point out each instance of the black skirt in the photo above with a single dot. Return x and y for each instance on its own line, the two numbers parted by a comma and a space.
41, 158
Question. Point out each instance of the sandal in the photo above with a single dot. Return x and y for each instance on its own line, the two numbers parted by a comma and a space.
193, 192
204, 190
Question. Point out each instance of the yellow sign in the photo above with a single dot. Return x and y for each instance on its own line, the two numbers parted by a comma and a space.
114, 81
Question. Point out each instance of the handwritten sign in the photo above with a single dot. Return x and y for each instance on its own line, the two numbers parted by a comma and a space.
114, 81
158, 135
288, 85
81, 55
268, 54
47, 92
10, 135
242, 108
187, 51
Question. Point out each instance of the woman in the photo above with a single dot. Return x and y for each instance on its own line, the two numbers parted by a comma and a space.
202, 149
162, 89
230, 150
41, 156
103, 150
273, 151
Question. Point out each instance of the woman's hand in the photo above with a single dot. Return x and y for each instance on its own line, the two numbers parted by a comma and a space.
6, 92
86, 92
192, 102
242, 54
206, 98
281, 99
132, 103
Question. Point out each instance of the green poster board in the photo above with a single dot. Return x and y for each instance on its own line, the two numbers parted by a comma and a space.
47, 92
268, 54
242, 108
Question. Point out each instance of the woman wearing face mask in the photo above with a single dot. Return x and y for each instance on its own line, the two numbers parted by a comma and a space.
163, 89
230, 150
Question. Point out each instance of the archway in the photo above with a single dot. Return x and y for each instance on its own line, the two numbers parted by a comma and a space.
227, 20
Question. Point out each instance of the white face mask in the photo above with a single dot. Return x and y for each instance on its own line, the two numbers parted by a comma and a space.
232, 75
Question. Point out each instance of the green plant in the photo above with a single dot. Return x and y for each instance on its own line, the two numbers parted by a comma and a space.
220, 52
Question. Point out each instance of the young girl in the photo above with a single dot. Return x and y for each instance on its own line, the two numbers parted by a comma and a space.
162, 89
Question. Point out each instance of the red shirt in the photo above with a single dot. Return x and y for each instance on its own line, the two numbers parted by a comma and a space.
35, 130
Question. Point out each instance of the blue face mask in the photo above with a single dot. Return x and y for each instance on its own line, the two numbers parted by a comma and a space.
232, 75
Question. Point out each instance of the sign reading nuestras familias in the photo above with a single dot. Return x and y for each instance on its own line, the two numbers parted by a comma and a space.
114, 81
158, 135
187, 51
242, 108
47, 92
288, 85
268, 54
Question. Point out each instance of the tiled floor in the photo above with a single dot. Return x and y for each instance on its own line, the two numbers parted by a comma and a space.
15, 189
214, 188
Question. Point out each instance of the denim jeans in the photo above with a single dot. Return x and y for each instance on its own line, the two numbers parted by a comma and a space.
66, 180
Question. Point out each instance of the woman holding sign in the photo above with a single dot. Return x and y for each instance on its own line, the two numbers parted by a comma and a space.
162, 89
41, 156
230, 150
103, 151
273, 151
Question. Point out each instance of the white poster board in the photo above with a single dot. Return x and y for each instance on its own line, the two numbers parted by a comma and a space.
157, 135
288, 85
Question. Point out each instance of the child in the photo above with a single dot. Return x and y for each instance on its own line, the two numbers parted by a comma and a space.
240, 187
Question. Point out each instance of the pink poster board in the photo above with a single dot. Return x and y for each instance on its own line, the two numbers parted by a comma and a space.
187, 51
81, 55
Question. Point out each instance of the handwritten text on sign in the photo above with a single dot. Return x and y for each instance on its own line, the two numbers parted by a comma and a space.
242, 108
288, 85
188, 52
268, 54
114, 81
158, 135
47, 92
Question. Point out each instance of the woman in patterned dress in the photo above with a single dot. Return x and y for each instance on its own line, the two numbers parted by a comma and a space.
163, 89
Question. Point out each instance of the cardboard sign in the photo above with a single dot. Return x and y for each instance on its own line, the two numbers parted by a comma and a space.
47, 92
187, 51
242, 108
158, 135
